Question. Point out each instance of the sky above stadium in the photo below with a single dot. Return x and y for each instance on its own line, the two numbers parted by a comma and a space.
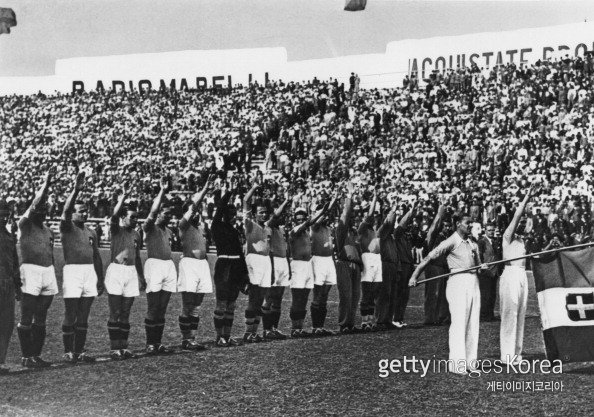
53, 29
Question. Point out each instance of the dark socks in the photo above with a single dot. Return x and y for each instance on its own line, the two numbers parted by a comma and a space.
80, 337
25, 337
38, 332
113, 328
68, 338
124, 333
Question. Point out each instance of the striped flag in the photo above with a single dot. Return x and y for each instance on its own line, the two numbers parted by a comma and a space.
565, 290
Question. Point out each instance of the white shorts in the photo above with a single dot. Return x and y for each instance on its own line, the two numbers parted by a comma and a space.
324, 270
160, 275
302, 274
259, 269
122, 280
80, 280
281, 272
194, 276
372, 267
39, 280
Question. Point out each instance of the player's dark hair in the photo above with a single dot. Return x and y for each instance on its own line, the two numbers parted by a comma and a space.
262, 202
457, 217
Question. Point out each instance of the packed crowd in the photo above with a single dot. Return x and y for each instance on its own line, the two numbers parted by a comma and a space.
479, 136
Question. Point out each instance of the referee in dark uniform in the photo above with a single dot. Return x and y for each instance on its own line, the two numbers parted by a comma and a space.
230, 274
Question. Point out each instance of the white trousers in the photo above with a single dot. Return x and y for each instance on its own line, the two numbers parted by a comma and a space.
513, 298
464, 297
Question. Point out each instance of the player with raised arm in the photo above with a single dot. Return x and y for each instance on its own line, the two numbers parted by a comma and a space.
82, 274
230, 274
122, 276
324, 269
38, 276
302, 275
371, 276
404, 248
271, 310
513, 287
389, 257
257, 233
159, 271
348, 265
194, 279
435, 300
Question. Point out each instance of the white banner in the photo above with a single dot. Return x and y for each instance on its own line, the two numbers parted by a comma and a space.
196, 69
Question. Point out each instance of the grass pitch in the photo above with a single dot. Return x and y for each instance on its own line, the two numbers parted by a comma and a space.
330, 376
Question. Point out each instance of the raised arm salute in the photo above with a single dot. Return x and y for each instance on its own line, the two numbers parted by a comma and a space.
302, 275
159, 270
194, 273
323, 267
257, 234
230, 274
38, 276
371, 276
123, 275
513, 287
436, 305
83, 273
348, 265
384, 310
271, 309
404, 249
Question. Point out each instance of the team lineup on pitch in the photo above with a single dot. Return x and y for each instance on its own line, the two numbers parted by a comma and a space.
365, 258
296, 208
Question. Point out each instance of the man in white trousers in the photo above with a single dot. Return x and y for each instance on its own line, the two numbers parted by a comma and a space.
513, 288
462, 292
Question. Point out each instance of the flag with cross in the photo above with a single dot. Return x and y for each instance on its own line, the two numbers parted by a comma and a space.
565, 290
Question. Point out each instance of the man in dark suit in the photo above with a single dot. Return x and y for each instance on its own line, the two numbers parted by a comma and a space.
489, 251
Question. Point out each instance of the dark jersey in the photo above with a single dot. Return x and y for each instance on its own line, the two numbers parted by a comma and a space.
77, 243
37, 243
194, 240
322, 244
124, 244
158, 241
300, 246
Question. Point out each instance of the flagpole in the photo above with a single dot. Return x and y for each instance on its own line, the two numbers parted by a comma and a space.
531, 255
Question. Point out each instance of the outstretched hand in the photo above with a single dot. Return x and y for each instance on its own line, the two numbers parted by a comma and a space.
165, 183
126, 189
51, 172
80, 181
350, 187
